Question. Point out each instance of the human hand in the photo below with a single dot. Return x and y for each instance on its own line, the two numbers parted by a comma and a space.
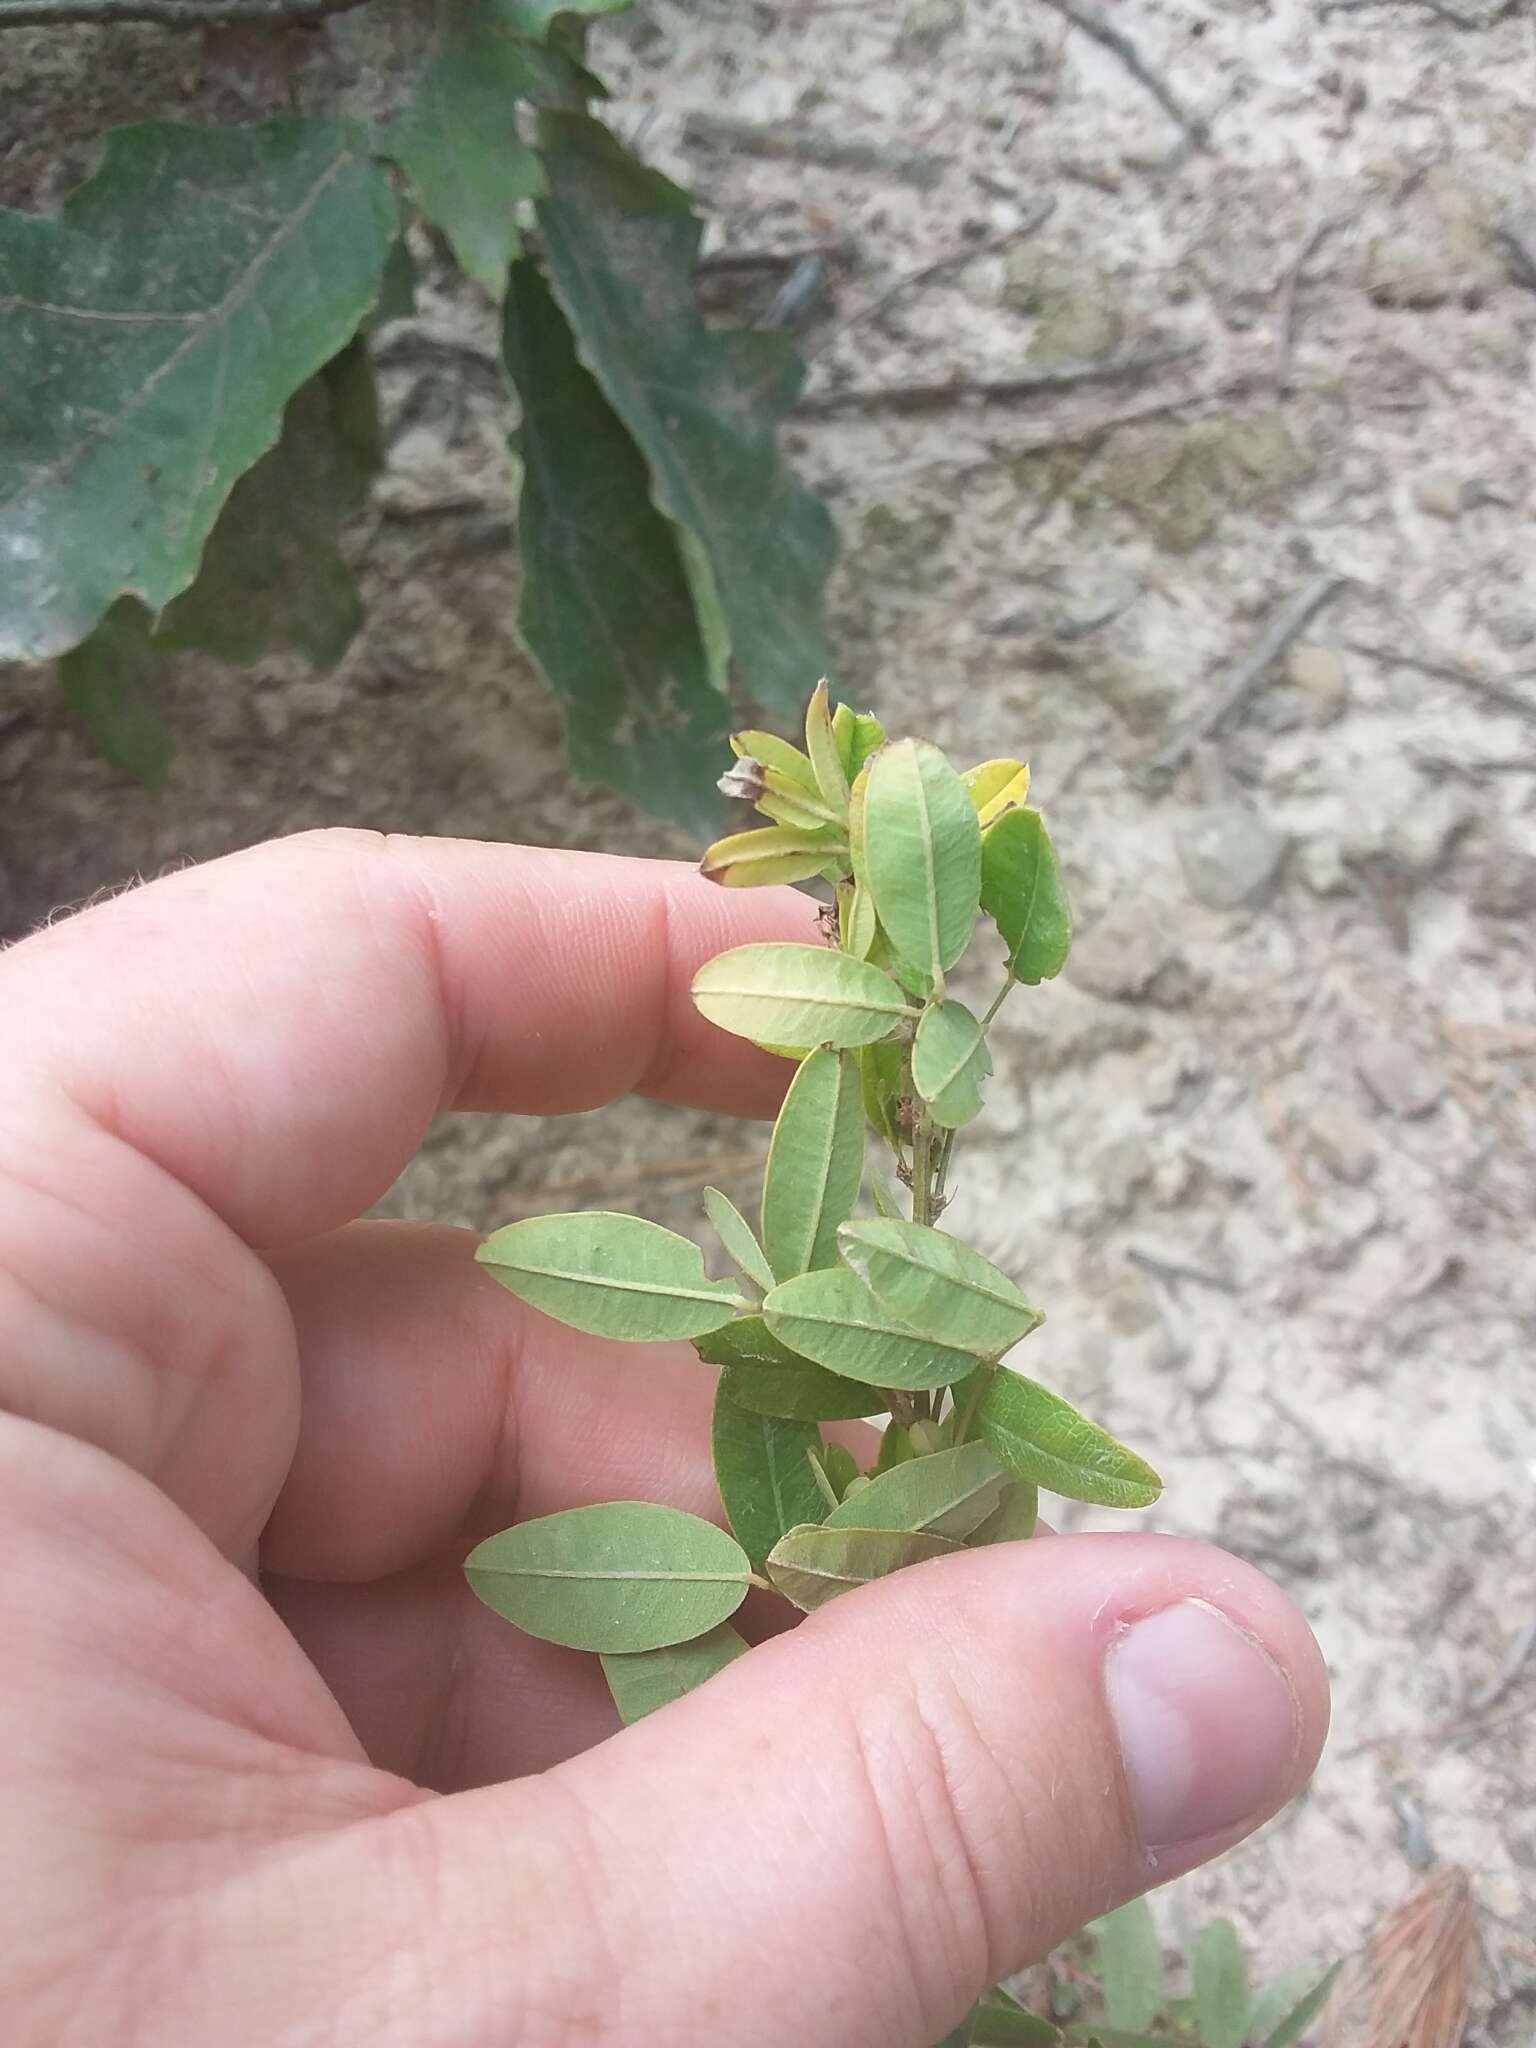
346, 1804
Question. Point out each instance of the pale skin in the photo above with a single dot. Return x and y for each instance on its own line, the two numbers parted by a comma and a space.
269, 1774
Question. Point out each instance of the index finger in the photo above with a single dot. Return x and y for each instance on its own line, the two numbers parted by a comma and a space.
277, 1029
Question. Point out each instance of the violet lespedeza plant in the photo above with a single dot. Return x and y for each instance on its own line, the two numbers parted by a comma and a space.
831, 1313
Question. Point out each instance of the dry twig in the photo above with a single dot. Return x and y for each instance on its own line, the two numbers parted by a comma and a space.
990, 391
1194, 128
170, 13
1498, 690
952, 259
1290, 284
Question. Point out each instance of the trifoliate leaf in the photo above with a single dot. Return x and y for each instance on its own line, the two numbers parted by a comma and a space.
763, 1471
735, 1233
1130, 1960
1014, 1518
643, 1680
798, 995
938, 1286
922, 854
1044, 1439
995, 787
153, 331
822, 750
614, 1276
765, 1376
815, 1164
606, 608
625, 1576
621, 246
1021, 891
949, 1493
456, 137
833, 1318
1220, 1973
950, 1060
776, 853
811, 1566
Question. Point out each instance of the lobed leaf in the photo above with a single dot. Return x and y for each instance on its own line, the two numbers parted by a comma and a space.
703, 407
157, 326
1043, 1439
1021, 891
950, 1060
776, 853
936, 1285
765, 1376
613, 1276
626, 1576
1130, 1959
763, 1471
1013, 1520
606, 609
813, 1565
922, 854
948, 1493
735, 1233
1221, 1987
798, 995
833, 1318
643, 1680
815, 1164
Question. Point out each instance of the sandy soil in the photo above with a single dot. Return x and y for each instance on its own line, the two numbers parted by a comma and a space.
1267, 1154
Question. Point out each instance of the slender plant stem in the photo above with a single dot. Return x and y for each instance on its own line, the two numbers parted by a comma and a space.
763, 1585
996, 1004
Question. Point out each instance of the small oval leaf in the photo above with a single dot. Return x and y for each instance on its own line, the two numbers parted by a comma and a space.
949, 1493
767, 1377
1130, 1965
815, 1165
775, 853
821, 746
735, 1233
950, 1060
1044, 1439
764, 1474
798, 995
1021, 891
833, 1318
813, 1565
938, 1286
643, 1680
628, 1575
613, 1276
922, 851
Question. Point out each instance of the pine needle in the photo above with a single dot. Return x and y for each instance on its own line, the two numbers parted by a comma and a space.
1407, 1988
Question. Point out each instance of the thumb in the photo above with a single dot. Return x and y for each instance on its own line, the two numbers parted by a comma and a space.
847, 1836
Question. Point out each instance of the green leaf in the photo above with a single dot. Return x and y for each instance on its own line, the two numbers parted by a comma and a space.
703, 407
883, 1075
735, 1233
947, 1494
895, 1448
840, 1466
813, 1565
1001, 2022
153, 331
456, 138
1275, 2001
643, 1680
109, 684
858, 735
883, 1195
764, 1475
770, 752
1044, 1439
815, 1165
1014, 1518
606, 608
938, 1286
273, 574
536, 18
857, 926
1301, 2015
1021, 891
950, 1060
756, 859
833, 1318
767, 1377
1130, 1965
1221, 1987
614, 1276
625, 1576
798, 995
922, 851
824, 754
